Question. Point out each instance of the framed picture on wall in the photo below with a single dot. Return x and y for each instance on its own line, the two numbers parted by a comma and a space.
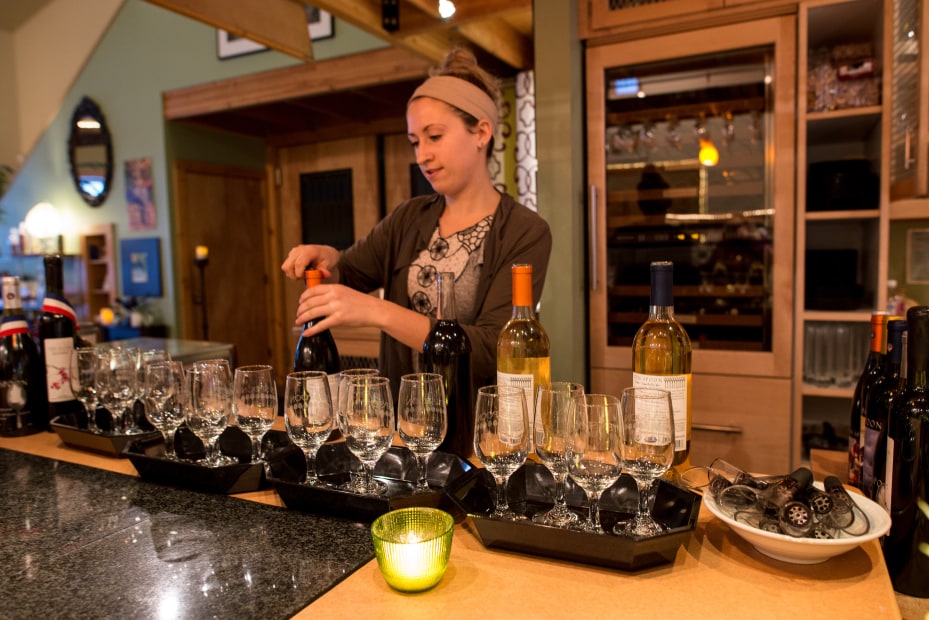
229, 45
140, 267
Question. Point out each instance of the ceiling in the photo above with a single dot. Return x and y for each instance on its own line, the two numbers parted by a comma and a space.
373, 96
14, 13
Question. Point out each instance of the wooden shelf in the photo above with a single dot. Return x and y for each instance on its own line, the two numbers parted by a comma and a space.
827, 392
860, 214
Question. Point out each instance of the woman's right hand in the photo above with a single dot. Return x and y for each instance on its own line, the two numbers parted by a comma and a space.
301, 257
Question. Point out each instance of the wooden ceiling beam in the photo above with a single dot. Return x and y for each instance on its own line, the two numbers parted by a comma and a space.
278, 24
342, 73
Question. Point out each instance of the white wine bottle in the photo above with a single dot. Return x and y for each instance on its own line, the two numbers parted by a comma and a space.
661, 358
523, 349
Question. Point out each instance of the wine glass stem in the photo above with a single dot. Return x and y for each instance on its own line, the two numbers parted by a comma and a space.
559, 491
256, 449
311, 476
169, 443
644, 488
502, 506
367, 469
422, 484
595, 512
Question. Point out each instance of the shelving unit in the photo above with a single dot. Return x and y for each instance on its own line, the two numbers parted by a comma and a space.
99, 254
837, 243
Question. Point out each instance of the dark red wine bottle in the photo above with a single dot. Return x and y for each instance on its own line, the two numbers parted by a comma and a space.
877, 413
447, 351
57, 337
873, 368
317, 352
23, 405
907, 483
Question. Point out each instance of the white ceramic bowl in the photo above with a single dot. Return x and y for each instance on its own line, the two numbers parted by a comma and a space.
805, 550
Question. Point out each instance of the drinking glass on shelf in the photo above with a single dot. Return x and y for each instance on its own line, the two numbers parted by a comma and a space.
118, 379
421, 418
647, 450
254, 402
308, 415
592, 450
555, 407
210, 395
84, 365
165, 388
501, 438
368, 420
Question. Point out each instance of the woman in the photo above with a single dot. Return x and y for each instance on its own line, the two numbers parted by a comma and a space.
467, 227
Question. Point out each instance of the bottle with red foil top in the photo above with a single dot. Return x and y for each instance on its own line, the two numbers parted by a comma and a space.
57, 335
23, 409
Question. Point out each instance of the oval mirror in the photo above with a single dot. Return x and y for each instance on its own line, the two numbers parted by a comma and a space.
90, 153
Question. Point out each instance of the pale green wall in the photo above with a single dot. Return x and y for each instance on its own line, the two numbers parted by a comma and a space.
561, 183
146, 51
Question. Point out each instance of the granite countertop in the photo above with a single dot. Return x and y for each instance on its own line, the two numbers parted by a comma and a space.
79, 542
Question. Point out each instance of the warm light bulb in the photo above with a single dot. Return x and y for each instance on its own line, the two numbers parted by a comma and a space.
446, 8
708, 155
43, 221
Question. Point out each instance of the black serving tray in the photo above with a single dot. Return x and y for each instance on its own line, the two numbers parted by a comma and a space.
148, 458
530, 491
334, 463
74, 433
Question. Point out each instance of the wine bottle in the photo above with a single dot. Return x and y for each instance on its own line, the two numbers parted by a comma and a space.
523, 349
318, 352
662, 356
23, 406
873, 368
907, 483
447, 351
877, 413
57, 335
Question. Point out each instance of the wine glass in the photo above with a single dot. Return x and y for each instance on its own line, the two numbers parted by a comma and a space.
591, 450
210, 395
308, 415
555, 407
356, 483
647, 450
368, 420
138, 390
84, 365
254, 402
501, 438
421, 418
119, 381
165, 387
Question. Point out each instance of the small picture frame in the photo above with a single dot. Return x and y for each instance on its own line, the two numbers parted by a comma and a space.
140, 263
917, 256
228, 45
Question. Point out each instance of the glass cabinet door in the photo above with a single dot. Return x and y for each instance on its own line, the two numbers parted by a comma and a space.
691, 160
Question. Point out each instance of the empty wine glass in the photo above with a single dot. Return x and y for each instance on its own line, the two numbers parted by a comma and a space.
165, 387
591, 451
555, 407
84, 366
210, 395
254, 402
501, 438
422, 419
118, 379
308, 415
647, 449
368, 424
356, 483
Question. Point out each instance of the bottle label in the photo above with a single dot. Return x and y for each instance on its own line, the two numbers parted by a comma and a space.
57, 305
869, 438
58, 368
14, 408
679, 386
884, 494
13, 325
510, 420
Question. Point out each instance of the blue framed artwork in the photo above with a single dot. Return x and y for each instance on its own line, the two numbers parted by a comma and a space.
140, 260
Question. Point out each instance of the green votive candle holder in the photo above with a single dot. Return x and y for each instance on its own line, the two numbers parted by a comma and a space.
412, 546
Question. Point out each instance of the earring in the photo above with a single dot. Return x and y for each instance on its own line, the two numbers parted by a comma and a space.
480, 147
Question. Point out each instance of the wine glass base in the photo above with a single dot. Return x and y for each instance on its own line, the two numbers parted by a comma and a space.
374, 487
508, 515
639, 528
556, 517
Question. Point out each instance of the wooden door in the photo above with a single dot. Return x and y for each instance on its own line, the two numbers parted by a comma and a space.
359, 155
224, 209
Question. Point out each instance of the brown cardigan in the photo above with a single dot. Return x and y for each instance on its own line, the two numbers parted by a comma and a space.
383, 257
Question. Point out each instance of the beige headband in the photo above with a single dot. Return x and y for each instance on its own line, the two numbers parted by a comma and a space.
461, 94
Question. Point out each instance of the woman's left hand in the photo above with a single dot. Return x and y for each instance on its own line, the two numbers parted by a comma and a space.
340, 305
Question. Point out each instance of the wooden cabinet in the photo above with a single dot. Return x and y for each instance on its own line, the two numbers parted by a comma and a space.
728, 228
99, 259
842, 208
